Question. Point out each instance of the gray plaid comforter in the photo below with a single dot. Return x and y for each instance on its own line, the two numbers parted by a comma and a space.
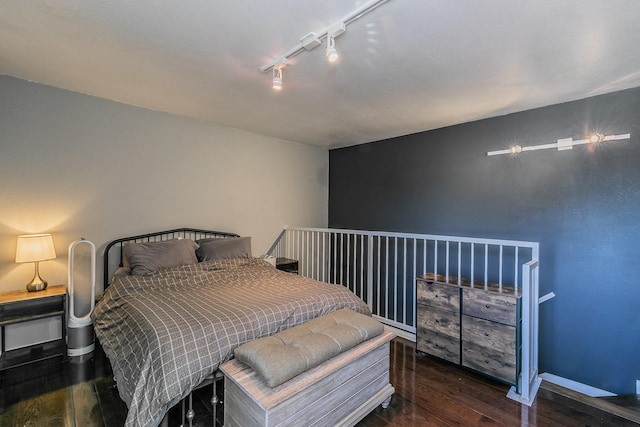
164, 333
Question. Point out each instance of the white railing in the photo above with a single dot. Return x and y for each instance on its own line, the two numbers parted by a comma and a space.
381, 267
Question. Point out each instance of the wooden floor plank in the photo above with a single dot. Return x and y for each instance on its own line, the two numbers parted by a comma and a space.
112, 408
86, 407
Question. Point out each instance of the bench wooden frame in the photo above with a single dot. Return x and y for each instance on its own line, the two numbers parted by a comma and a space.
340, 391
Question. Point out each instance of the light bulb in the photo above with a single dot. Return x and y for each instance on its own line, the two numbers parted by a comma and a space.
332, 53
277, 78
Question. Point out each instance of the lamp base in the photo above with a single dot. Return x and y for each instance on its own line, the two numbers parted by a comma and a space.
37, 284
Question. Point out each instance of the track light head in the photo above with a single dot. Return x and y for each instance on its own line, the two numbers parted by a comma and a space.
334, 31
277, 78
277, 72
332, 53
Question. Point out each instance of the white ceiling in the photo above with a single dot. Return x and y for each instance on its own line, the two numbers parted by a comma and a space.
408, 66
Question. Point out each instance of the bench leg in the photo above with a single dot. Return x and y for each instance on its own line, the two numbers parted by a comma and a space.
386, 402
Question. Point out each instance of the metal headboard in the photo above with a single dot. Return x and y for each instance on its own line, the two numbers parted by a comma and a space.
159, 236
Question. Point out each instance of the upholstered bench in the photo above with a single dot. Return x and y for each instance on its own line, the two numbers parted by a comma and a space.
332, 370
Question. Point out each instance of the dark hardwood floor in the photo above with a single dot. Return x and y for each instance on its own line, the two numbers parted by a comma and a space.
429, 392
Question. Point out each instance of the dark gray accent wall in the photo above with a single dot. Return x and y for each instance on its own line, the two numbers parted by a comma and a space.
582, 205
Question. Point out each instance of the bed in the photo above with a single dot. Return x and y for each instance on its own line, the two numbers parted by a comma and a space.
177, 306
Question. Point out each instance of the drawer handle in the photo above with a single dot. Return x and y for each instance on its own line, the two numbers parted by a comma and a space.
488, 306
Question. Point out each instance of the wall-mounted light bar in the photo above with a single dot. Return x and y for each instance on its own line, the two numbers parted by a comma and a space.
562, 144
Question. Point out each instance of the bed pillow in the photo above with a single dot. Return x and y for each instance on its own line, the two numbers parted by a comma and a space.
147, 257
209, 239
215, 249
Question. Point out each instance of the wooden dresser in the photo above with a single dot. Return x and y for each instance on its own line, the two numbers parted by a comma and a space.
475, 326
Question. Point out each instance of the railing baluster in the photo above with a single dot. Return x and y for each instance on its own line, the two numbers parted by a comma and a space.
355, 264
459, 263
473, 259
324, 257
348, 284
370, 271
435, 257
500, 268
446, 263
362, 266
395, 278
413, 282
486, 266
424, 261
379, 283
335, 257
341, 258
515, 279
386, 286
404, 283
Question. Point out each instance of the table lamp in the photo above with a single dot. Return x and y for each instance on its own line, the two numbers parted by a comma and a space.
35, 248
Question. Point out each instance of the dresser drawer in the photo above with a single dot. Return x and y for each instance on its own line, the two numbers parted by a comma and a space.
490, 306
438, 333
16, 312
438, 295
490, 348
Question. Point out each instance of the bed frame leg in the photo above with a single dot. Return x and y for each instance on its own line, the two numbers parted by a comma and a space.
191, 414
215, 401
183, 413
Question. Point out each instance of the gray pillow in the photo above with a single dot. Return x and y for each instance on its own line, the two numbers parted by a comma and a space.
232, 247
147, 257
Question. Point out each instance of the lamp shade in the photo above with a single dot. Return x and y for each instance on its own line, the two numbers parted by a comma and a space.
35, 247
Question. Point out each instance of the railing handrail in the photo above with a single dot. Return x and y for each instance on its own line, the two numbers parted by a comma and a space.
458, 239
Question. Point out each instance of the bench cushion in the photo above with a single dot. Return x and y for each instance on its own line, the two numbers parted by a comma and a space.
282, 356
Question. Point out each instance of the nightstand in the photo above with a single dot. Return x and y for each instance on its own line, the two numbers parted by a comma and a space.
287, 264
22, 306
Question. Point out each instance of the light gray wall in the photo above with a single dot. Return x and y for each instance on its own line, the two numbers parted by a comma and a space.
78, 166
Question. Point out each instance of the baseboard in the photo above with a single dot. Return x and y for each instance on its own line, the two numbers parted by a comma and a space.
576, 386
402, 334
602, 402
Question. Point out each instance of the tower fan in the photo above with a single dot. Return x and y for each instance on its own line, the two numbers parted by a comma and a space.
81, 300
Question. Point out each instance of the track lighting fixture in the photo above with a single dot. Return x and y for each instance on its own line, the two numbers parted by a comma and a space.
313, 40
562, 144
332, 53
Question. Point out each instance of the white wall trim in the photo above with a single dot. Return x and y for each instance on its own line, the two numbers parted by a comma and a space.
401, 333
576, 386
